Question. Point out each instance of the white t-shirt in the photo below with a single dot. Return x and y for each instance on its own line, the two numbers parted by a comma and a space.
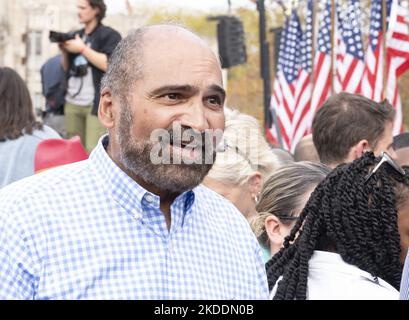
86, 93
80, 90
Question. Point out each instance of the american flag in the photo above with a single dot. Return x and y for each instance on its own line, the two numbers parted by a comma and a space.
283, 100
372, 81
350, 54
303, 90
322, 61
397, 46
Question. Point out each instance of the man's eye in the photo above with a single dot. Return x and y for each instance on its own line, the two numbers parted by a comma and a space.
173, 96
215, 101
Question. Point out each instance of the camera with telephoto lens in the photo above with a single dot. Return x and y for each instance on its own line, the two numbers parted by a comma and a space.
61, 36
79, 65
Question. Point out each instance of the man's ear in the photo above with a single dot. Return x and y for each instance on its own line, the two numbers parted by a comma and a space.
358, 150
255, 183
106, 110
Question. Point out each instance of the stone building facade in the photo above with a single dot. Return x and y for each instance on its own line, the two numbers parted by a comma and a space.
24, 30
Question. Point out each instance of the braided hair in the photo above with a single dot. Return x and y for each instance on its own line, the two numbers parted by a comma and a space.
344, 214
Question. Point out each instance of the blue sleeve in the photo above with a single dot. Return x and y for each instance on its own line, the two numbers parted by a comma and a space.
262, 275
404, 286
18, 265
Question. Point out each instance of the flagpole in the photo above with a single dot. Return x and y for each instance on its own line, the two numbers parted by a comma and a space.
313, 24
270, 115
332, 44
384, 61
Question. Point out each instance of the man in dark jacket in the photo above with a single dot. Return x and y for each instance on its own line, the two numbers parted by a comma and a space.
85, 58
53, 81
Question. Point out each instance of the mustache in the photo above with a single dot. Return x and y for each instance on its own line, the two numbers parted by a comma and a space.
186, 136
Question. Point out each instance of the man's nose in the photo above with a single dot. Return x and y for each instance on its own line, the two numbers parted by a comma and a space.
195, 117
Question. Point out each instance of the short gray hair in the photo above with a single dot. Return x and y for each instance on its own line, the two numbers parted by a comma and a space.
125, 64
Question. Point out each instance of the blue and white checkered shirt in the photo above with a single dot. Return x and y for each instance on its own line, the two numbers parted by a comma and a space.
404, 286
88, 231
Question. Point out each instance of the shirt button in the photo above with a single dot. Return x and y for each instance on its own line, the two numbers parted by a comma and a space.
149, 198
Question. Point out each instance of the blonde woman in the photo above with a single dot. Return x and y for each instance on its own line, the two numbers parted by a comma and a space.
283, 197
242, 164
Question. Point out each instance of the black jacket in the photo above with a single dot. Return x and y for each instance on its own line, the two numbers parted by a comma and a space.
104, 40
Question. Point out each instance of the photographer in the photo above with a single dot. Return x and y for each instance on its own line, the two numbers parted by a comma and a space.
85, 59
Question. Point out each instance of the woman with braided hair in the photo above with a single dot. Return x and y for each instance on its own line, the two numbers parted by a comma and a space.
351, 237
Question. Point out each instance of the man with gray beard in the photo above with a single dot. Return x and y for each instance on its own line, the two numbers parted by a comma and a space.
133, 221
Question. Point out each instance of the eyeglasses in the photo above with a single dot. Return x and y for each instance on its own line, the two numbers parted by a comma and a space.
223, 146
385, 158
288, 218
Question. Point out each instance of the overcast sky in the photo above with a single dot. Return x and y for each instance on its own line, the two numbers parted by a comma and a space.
115, 6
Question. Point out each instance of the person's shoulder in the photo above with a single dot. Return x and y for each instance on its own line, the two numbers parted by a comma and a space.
42, 185
332, 282
108, 31
53, 61
38, 135
213, 199
218, 206
379, 289
361, 289
225, 219
46, 133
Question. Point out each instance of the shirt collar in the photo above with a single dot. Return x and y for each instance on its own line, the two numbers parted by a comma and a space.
126, 191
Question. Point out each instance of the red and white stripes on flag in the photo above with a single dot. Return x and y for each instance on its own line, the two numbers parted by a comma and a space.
372, 81
301, 119
291, 98
322, 62
280, 101
296, 99
397, 56
303, 90
283, 100
349, 49
397, 48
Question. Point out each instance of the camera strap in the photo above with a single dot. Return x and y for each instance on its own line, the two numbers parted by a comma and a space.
87, 42
80, 88
85, 39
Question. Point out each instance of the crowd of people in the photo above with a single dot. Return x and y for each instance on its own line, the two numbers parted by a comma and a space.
176, 196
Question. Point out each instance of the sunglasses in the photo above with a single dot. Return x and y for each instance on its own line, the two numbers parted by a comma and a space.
385, 159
